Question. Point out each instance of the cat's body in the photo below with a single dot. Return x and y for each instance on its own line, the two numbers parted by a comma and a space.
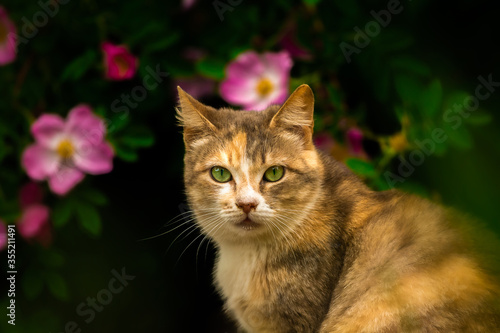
316, 250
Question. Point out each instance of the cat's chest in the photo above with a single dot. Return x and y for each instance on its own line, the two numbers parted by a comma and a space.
236, 271
240, 277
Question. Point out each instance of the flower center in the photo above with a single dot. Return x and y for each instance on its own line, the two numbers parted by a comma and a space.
3, 33
122, 64
65, 149
264, 87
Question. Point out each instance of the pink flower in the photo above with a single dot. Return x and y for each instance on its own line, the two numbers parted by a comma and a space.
65, 150
187, 4
197, 86
292, 46
256, 81
324, 142
355, 142
3, 235
34, 221
8, 38
34, 224
120, 64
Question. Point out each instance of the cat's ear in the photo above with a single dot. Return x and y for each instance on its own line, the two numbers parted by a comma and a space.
193, 117
297, 112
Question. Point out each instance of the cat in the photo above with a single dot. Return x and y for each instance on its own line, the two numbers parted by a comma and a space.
304, 246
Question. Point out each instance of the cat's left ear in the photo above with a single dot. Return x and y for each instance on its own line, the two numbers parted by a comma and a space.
193, 117
297, 112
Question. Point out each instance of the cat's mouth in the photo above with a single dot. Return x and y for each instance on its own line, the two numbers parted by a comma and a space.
248, 224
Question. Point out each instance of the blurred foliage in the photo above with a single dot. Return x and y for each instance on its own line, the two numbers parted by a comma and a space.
398, 88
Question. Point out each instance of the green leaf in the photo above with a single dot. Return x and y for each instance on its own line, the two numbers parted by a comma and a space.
94, 196
311, 2
51, 258
57, 285
361, 167
459, 137
412, 187
431, 99
126, 153
32, 284
78, 67
138, 138
162, 44
410, 65
478, 118
408, 88
348, 8
89, 218
211, 68
62, 212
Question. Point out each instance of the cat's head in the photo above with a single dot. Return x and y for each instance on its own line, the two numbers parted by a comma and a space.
250, 175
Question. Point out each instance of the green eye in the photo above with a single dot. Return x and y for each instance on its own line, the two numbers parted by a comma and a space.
221, 174
274, 173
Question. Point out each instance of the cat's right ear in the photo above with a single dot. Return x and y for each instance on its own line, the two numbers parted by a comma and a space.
192, 116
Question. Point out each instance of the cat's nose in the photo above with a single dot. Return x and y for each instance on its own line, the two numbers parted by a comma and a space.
247, 206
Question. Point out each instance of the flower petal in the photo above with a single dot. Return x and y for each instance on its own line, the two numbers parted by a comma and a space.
32, 221
8, 38
30, 194
239, 91
94, 159
120, 64
47, 130
83, 126
3, 235
65, 179
246, 65
39, 162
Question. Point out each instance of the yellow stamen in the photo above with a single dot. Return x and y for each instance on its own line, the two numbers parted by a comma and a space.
264, 87
65, 149
4, 33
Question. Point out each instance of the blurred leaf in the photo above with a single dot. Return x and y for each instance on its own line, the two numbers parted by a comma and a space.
408, 88
431, 99
152, 28
459, 137
32, 285
211, 68
413, 187
139, 137
335, 96
162, 44
311, 2
126, 153
400, 112
57, 285
51, 258
478, 118
410, 65
361, 167
79, 66
62, 212
348, 8
94, 196
89, 218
